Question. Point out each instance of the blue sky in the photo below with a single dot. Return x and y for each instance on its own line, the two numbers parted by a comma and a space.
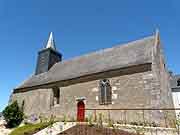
79, 26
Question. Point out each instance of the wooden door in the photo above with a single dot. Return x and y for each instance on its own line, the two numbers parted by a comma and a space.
80, 111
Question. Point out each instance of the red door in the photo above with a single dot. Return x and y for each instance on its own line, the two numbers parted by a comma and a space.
80, 111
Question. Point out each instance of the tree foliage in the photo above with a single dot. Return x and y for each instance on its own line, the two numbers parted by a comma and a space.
13, 115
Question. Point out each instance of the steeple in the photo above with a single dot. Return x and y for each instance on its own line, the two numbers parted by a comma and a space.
51, 42
48, 56
157, 36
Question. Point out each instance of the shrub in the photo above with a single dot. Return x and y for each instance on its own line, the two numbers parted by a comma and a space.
120, 122
86, 119
100, 121
64, 119
140, 130
72, 119
90, 122
110, 123
52, 120
154, 124
13, 115
134, 123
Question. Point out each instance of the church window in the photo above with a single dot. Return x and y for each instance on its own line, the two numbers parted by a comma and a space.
105, 92
56, 95
178, 82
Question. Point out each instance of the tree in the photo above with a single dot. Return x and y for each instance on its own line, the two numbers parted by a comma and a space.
13, 115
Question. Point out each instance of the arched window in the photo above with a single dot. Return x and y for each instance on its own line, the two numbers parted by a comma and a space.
105, 93
56, 95
178, 82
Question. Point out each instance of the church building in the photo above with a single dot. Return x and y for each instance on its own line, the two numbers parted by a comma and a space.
130, 75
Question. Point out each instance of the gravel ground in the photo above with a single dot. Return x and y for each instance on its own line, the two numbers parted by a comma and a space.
87, 130
4, 131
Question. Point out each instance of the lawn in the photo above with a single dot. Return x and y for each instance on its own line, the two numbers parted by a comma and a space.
30, 129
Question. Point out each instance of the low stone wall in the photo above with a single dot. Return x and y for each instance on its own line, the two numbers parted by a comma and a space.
148, 130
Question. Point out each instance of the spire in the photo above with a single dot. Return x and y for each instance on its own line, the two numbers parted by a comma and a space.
51, 43
157, 36
157, 32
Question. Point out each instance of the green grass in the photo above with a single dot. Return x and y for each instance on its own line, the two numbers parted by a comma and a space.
30, 128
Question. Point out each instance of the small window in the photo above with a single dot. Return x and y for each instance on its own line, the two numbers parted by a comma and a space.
56, 95
178, 82
105, 93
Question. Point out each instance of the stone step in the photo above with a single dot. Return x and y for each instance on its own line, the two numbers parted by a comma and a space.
56, 128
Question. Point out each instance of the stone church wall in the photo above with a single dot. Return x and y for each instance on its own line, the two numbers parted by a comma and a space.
128, 91
161, 92
35, 102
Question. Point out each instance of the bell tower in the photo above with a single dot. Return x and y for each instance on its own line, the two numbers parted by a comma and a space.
48, 56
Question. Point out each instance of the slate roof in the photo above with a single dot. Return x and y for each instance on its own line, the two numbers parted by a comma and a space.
120, 56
